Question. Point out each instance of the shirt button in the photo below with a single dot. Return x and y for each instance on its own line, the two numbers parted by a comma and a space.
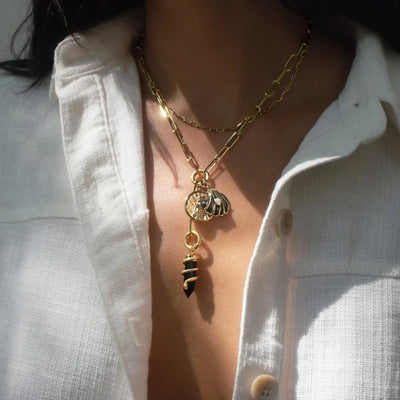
284, 222
264, 387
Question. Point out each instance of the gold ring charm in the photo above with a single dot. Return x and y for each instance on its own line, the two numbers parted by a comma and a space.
189, 235
200, 176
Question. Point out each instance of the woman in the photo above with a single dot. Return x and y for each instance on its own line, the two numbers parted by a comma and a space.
294, 293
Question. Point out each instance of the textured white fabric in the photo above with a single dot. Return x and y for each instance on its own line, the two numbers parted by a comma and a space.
321, 309
55, 340
33, 175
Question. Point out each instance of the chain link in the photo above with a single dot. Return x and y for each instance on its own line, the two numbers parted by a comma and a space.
291, 65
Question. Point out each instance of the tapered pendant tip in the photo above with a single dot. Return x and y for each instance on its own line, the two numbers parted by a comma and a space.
189, 290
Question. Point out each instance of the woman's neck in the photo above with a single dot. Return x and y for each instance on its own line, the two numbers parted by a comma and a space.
214, 59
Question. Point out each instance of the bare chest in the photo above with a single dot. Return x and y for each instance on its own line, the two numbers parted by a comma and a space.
195, 340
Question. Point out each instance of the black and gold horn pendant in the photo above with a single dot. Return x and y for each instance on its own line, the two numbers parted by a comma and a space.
192, 242
203, 204
189, 273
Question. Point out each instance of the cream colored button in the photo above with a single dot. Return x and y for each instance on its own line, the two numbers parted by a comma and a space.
264, 387
284, 222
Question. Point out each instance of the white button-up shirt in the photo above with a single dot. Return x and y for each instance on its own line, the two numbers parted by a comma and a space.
321, 308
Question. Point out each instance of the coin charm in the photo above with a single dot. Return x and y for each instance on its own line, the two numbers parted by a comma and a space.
195, 205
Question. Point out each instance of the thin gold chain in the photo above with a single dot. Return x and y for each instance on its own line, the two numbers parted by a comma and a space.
292, 65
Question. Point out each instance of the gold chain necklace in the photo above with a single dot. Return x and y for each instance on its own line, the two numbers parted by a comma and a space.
205, 202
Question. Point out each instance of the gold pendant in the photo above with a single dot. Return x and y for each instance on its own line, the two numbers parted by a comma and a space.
202, 204
205, 202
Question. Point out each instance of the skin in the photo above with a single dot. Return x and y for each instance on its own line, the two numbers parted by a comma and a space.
213, 61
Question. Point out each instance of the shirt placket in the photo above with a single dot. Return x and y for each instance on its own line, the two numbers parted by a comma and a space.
264, 307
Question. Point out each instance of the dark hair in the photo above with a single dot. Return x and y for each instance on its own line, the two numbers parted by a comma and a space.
52, 20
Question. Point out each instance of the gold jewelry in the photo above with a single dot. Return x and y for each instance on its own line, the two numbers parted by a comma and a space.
292, 64
205, 202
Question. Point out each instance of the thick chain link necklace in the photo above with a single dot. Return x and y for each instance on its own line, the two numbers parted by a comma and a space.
205, 202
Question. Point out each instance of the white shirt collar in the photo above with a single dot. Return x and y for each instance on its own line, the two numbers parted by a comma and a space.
369, 78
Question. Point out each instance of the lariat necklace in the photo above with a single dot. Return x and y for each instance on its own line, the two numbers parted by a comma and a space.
205, 202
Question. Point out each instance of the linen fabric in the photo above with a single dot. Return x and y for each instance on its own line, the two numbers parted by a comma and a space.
321, 308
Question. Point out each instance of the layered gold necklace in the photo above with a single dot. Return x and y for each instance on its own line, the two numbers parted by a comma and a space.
205, 202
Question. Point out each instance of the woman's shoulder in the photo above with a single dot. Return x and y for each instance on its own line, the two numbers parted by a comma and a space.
33, 174
19, 103
26, 114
